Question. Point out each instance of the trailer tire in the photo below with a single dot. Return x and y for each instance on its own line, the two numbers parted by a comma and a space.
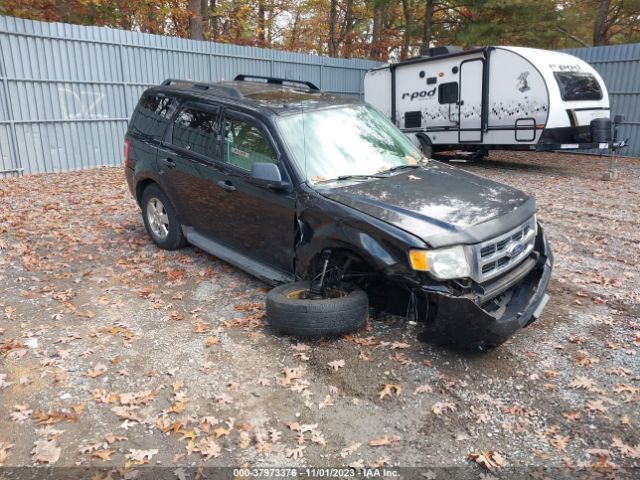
303, 317
425, 146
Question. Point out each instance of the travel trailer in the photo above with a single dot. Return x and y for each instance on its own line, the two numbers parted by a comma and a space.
494, 98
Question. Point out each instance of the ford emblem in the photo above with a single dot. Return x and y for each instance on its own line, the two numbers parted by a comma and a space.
515, 249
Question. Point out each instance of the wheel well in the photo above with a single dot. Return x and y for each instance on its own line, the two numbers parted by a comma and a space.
140, 187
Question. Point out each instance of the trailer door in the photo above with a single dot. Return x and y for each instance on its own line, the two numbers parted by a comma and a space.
470, 102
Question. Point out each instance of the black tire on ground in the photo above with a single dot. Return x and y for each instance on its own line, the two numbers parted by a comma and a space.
155, 200
311, 318
478, 156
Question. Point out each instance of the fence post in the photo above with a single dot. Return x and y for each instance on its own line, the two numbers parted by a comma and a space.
14, 156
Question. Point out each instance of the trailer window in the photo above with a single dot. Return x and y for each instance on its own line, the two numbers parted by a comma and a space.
578, 86
448, 92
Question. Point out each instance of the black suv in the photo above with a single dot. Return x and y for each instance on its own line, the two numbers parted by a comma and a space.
320, 194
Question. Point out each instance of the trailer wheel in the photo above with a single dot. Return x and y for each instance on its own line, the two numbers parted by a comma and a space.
425, 146
478, 156
290, 311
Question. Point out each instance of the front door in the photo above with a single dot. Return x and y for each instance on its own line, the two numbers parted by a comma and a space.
258, 221
470, 101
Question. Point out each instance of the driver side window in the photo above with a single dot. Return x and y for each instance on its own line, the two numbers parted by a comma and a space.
245, 144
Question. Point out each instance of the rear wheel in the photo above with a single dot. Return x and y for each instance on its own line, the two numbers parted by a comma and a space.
160, 219
292, 310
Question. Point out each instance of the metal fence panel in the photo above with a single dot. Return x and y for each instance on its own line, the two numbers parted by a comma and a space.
619, 66
67, 91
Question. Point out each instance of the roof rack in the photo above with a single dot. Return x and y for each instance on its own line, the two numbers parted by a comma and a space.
211, 87
274, 80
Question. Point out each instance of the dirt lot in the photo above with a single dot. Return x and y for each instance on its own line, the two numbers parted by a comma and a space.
115, 354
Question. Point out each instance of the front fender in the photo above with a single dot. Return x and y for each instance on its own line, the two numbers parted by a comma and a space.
324, 223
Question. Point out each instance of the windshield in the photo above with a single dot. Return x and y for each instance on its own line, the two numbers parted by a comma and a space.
345, 141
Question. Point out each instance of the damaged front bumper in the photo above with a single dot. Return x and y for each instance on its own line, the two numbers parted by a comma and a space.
480, 321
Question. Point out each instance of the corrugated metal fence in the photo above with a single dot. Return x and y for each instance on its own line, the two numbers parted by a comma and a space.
67, 91
619, 66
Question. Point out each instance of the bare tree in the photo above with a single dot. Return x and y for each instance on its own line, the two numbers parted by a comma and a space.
601, 26
427, 28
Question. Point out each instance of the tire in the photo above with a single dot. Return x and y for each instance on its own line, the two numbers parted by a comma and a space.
425, 147
478, 156
157, 210
312, 318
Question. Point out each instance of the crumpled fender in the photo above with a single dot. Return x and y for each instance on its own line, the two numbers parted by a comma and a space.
323, 223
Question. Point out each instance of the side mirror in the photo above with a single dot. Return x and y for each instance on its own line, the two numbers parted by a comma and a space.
267, 174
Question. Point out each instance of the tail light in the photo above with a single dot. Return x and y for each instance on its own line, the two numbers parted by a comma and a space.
126, 154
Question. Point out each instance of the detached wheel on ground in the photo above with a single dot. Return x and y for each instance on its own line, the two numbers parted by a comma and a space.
160, 219
290, 311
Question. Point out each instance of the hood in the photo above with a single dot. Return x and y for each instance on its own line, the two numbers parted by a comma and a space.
440, 204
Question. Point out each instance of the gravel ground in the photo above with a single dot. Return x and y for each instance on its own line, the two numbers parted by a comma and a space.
118, 356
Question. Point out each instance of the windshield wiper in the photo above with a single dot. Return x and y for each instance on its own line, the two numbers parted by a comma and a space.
352, 177
401, 167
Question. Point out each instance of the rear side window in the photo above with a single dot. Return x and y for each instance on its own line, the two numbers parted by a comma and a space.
578, 86
448, 92
197, 130
153, 114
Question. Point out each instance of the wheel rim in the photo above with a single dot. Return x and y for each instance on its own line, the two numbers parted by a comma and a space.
157, 218
303, 294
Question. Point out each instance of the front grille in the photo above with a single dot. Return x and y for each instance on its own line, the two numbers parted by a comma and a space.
504, 252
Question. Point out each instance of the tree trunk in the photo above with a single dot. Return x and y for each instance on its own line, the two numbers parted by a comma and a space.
375, 50
195, 19
332, 44
204, 9
213, 19
427, 28
600, 27
404, 51
262, 24
347, 30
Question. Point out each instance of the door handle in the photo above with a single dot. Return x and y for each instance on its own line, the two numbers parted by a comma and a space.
168, 163
227, 185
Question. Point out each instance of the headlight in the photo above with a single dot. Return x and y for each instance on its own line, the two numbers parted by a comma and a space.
444, 263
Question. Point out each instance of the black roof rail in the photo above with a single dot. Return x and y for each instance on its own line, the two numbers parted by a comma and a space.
277, 81
210, 87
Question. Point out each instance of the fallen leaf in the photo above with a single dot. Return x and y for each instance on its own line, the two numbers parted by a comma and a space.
422, 389
209, 448
295, 453
379, 442
103, 454
141, 456
46, 451
389, 389
488, 460
96, 371
4, 452
439, 408
336, 364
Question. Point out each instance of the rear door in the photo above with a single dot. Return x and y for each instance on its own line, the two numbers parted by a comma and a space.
185, 158
470, 102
